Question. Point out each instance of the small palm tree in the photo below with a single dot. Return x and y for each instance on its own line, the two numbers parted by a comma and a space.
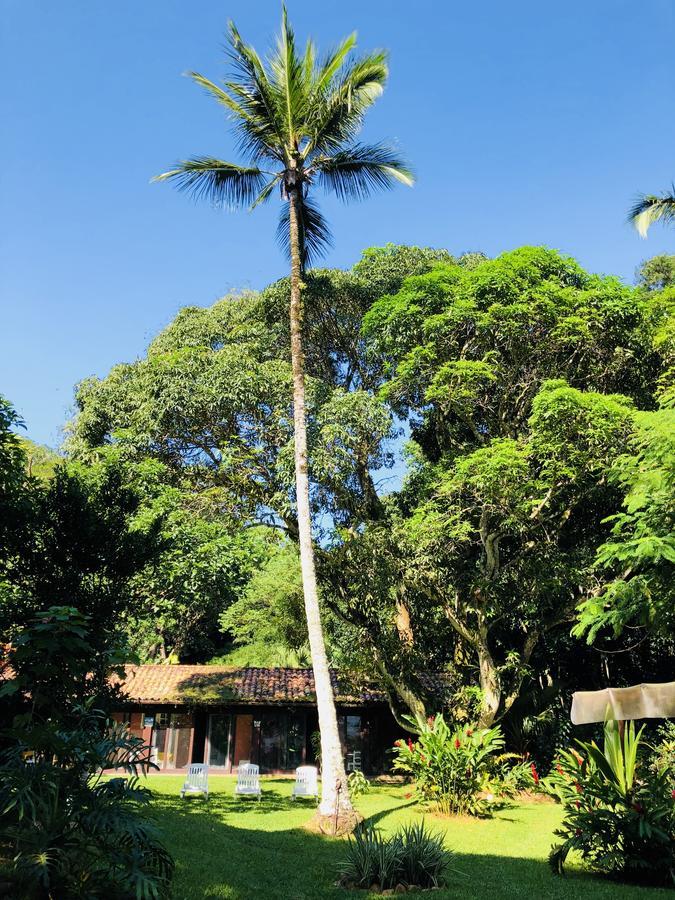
649, 209
297, 119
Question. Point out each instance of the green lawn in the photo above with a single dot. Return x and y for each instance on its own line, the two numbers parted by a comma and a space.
239, 848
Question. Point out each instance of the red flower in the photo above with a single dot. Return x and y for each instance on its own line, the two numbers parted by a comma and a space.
408, 795
578, 787
672, 793
469, 732
410, 745
577, 804
398, 743
559, 769
458, 743
535, 774
423, 757
431, 720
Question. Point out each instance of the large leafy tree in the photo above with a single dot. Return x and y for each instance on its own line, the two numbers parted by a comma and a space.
78, 543
640, 554
506, 373
657, 273
297, 119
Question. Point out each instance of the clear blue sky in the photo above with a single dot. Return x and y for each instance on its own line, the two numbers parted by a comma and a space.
526, 122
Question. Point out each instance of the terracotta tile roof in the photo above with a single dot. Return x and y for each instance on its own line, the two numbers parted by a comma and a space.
224, 684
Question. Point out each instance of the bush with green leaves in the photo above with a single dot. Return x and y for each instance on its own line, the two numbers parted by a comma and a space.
619, 814
358, 784
68, 831
451, 768
413, 856
510, 773
663, 751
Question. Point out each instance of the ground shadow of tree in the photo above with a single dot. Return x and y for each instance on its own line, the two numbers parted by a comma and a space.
227, 847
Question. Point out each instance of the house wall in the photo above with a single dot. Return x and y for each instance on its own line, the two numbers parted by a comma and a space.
278, 738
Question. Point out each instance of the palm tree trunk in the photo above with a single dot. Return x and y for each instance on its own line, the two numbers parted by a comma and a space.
335, 801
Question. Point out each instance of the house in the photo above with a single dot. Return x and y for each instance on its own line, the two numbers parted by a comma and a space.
222, 716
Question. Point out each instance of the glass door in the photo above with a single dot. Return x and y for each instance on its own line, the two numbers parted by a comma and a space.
172, 740
272, 742
220, 740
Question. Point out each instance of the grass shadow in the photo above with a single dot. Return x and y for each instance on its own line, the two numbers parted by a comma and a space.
231, 849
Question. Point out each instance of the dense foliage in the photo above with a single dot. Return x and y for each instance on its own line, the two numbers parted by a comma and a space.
520, 378
619, 812
67, 832
537, 399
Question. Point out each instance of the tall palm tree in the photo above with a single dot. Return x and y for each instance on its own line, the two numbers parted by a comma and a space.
297, 119
649, 209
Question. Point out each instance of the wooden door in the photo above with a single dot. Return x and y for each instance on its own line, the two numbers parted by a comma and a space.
243, 735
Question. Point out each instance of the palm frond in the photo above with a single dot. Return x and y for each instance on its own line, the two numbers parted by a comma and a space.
337, 112
255, 135
314, 233
333, 62
266, 192
355, 172
288, 71
649, 209
220, 182
254, 80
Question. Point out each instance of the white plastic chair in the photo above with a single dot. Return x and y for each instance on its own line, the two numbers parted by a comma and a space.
354, 761
248, 780
197, 781
306, 782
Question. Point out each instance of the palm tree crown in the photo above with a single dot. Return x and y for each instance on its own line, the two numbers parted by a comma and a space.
297, 119
649, 209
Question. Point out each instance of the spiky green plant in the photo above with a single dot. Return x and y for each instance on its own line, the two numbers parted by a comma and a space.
413, 857
297, 119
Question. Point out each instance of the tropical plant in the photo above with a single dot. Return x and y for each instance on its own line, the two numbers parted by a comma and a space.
510, 773
451, 767
649, 208
68, 831
297, 120
358, 784
619, 815
663, 751
412, 857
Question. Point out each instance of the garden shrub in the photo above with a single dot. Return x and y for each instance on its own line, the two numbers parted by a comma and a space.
619, 812
452, 767
67, 831
663, 751
413, 856
510, 773
358, 784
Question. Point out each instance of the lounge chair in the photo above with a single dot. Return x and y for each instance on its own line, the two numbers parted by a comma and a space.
197, 781
306, 782
248, 781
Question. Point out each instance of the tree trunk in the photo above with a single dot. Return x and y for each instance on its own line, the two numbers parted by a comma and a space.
490, 683
335, 804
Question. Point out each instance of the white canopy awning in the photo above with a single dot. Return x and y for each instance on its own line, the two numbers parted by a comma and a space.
641, 701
